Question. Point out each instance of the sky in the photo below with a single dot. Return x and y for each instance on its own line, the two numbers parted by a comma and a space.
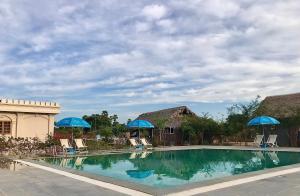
134, 56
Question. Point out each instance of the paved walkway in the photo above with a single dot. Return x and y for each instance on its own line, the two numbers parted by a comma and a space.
35, 182
288, 185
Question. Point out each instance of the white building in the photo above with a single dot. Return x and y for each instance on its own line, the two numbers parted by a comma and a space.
20, 118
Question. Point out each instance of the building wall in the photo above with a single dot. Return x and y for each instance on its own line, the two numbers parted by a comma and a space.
29, 125
293, 135
283, 137
29, 118
167, 138
286, 136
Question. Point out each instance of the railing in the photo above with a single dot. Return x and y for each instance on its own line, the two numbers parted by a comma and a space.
28, 102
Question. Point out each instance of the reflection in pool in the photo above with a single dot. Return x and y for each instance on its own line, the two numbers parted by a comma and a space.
139, 173
173, 168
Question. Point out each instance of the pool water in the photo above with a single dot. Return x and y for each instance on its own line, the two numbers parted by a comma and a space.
163, 169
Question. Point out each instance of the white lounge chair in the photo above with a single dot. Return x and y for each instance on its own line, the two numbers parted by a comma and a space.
145, 143
80, 145
66, 145
258, 140
134, 143
272, 141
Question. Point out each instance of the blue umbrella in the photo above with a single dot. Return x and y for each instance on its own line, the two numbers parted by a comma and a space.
263, 120
73, 122
140, 124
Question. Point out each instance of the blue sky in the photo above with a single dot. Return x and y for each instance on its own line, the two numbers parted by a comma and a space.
133, 56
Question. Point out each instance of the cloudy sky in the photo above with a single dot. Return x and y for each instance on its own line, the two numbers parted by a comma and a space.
132, 56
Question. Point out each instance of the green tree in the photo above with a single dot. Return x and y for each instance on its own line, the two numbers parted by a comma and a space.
106, 132
235, 123
119, 129
100, 123
188, 131
238, 117
114, 119
247, 110
194, 127
160, 124
105, 119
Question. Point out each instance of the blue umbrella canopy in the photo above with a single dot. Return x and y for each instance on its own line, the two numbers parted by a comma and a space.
263, 120
140, 124
73, 122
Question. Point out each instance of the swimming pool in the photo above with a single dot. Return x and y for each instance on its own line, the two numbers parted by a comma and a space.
167, 169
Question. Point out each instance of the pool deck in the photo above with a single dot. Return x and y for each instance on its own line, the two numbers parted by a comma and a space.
34, 181
286, 185
31, 181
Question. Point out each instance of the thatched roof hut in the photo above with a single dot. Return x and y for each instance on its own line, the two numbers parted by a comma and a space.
286, 108
281, 106
168, 124
172, 117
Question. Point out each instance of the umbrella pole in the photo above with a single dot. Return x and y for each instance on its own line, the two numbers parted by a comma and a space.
72, 134
152, 135
264, 140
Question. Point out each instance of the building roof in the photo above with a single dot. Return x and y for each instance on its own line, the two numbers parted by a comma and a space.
281, 106
172, 117
41, 107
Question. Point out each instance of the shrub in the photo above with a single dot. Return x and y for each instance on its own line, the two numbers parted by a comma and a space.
104, 145
3, 143
51, 141
97, 145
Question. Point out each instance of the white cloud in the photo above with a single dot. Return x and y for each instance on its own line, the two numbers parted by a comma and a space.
167, 25
154, 11
220, 8
135, 53
41, 42
143, 26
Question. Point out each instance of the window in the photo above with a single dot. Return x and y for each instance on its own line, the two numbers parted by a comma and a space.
171, 130
5, 127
